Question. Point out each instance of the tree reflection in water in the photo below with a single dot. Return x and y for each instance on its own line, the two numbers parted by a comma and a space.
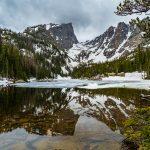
56, 111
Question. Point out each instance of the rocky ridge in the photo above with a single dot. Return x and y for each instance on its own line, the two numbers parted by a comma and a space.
114, 43
63, 34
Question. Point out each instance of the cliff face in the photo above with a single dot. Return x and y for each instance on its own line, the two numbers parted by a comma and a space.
62, 34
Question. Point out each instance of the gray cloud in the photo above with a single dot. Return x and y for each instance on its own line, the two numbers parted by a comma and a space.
89, 17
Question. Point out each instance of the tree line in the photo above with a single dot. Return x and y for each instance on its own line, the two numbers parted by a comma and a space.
137, 61
18, 59
16, 65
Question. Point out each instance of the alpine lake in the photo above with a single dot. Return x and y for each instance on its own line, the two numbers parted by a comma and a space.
67, 118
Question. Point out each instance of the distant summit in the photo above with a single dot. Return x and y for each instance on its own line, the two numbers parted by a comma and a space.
63, 34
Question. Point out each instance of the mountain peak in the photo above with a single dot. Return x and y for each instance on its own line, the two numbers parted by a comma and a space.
63, 34
122, 24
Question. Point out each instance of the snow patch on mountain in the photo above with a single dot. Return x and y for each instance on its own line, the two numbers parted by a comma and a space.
114, 43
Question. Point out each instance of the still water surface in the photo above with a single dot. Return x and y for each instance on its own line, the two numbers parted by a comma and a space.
66, 118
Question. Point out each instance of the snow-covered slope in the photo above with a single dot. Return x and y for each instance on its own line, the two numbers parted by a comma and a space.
114, 43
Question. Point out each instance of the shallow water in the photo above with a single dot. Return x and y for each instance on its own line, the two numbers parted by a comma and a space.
65, 118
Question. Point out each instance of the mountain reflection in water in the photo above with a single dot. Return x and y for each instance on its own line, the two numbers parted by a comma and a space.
56, 111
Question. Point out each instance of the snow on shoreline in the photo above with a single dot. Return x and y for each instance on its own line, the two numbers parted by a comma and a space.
145, 85
131, 80
134, 76
87, 84
4, 82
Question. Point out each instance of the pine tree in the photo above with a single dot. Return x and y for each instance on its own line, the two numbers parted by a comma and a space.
129, 7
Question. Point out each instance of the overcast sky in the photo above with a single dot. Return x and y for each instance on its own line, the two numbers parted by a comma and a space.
90, 18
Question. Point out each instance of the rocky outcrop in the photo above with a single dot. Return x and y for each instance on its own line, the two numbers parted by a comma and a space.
62, 34
120, 34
